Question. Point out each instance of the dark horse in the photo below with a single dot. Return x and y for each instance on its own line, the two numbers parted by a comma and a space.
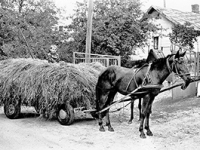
114, 79
150, 58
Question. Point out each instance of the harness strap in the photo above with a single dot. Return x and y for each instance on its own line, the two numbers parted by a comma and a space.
168, 65
133, 77
147, 75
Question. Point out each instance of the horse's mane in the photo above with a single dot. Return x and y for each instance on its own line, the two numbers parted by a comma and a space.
158, 63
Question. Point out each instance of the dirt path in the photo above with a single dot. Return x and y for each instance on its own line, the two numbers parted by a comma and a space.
175, 124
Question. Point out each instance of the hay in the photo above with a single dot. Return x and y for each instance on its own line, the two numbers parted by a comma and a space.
39, 83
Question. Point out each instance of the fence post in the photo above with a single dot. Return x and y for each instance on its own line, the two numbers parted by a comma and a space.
107, 62
119, 60
73, 57
197, 70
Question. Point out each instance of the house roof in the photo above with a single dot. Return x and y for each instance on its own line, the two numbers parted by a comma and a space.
176, 16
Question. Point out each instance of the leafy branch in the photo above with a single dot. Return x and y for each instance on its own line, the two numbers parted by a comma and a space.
184, 35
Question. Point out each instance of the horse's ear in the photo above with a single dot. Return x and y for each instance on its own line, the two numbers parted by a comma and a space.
151, 56
177, 54
182, 54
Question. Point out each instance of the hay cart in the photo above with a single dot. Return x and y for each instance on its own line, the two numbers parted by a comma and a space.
54, 89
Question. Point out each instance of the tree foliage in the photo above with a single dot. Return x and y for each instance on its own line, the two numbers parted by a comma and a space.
26, 27
117, 27
184, 35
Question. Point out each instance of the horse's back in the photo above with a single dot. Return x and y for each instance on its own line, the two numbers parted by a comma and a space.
116, 71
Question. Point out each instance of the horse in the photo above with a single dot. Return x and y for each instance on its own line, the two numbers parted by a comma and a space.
114, 79
150, 58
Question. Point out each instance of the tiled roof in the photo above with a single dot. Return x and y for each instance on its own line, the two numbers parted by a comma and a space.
177, 16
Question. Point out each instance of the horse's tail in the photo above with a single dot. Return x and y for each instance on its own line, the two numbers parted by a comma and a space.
106, 82
108, 77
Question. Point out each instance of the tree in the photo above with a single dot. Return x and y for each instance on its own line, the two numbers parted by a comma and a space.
27, 27
117, 27
184, 35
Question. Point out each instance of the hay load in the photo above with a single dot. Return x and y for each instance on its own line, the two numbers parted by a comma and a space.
46, 86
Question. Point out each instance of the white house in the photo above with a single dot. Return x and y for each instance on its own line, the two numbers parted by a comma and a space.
166, 18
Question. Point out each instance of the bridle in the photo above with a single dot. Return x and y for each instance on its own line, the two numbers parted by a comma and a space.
174, 67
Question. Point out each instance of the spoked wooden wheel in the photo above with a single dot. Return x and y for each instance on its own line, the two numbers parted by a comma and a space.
12, 108
66, 114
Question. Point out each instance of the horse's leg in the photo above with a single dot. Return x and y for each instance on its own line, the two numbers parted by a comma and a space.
145, 104
142, 135
109, 101
110, 128
149, 133
103, 97
132, 113
140, 107
100, 119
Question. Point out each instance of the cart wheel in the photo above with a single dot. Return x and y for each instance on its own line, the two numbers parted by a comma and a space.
12, 108
66, 114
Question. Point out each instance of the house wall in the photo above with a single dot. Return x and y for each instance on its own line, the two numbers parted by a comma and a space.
164, 43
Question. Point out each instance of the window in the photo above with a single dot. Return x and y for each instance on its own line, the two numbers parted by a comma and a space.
61, 28
155, 42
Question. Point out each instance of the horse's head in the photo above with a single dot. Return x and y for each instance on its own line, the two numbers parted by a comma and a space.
178, 66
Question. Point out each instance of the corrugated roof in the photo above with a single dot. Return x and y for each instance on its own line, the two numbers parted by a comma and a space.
177, 16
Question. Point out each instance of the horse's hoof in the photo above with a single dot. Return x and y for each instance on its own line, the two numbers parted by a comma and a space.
111, 129
142, 135
130, 122
149, 133
102, 129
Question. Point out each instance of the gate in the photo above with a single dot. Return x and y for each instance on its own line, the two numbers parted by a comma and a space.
106, 60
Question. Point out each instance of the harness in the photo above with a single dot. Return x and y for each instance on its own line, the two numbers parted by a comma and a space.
173, 66
146, 79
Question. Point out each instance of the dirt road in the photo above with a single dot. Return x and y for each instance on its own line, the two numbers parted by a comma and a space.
175, 124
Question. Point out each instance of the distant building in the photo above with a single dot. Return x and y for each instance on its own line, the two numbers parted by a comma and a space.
166, 18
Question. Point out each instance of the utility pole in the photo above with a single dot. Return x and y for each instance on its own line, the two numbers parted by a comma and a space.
89, 31
164, 3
